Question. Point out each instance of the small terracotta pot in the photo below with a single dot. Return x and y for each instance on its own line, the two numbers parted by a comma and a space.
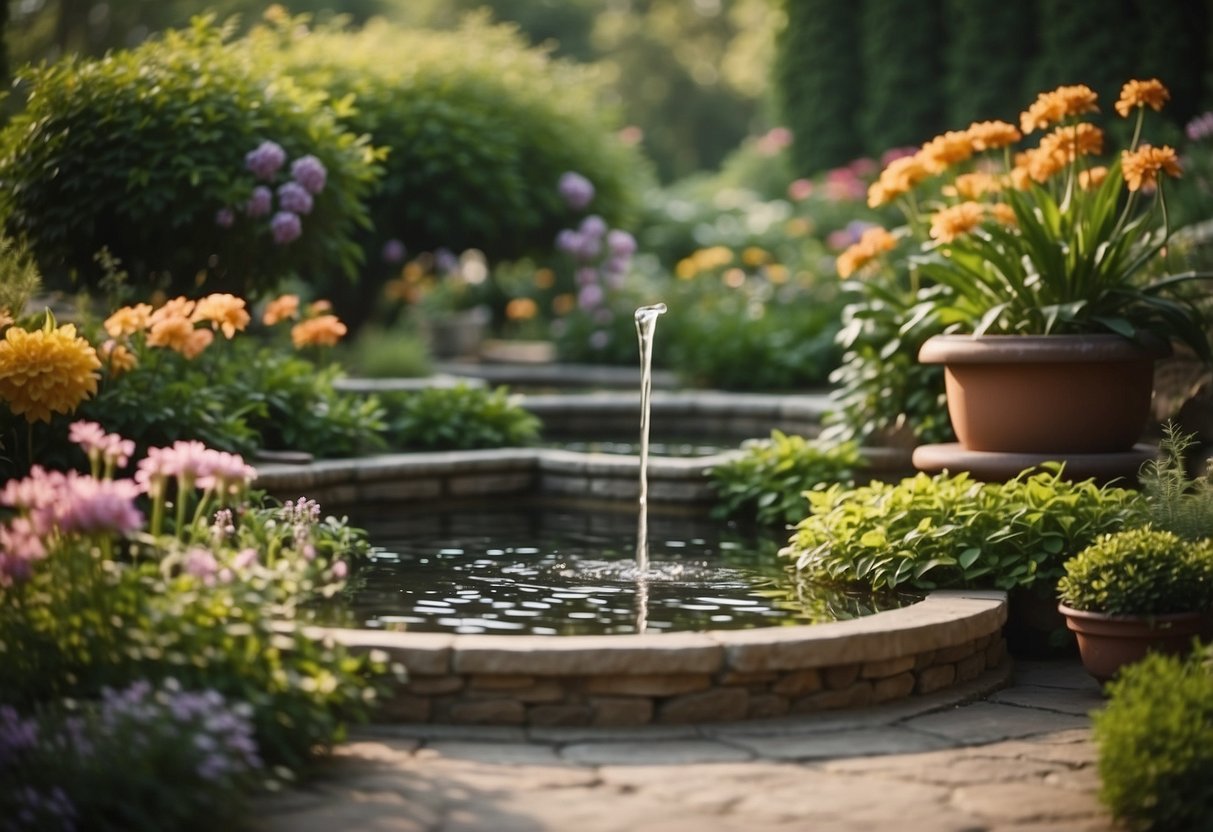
1108, 642
1074, 394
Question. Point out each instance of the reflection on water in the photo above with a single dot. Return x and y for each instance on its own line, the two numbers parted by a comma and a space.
517, 569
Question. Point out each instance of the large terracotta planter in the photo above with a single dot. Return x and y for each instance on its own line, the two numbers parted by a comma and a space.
1108, 642
1077, 394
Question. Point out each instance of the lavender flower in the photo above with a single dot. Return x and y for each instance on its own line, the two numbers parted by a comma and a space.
224, 217
621, 243
309, 172
568, 241
294, 197
285, 227
590, 297
445, 261
266, 160
1201, 127
17, 735
260, 202
576, 190
393, 251
593, 226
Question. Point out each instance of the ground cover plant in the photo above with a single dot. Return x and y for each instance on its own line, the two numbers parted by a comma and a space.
461, 417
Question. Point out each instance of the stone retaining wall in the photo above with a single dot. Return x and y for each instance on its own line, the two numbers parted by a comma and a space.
947, 639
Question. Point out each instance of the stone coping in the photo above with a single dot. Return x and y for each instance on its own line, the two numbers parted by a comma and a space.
949, 638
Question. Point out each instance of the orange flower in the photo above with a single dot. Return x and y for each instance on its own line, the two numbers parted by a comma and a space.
950, 223
974, 185
564, 303
1003, 213
1092, 178
172, 332
521, 309
1052, 107
5, 318
945, 150
1071, 141
1141, 167
990, 135
1150, 94
325, 330
128, 320
898, 178
318, 307
198, 340
280, 308
224, 311
544, 278
871, 244
117, 358
178, 307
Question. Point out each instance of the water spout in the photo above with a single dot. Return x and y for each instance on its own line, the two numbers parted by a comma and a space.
646, 325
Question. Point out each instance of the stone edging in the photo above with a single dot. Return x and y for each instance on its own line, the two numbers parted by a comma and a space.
949, 638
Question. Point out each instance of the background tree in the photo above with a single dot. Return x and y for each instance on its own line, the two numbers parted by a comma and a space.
1092, 42
818, 78
1174, 47
991, 44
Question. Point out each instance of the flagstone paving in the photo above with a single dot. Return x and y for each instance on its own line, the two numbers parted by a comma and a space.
1020, 759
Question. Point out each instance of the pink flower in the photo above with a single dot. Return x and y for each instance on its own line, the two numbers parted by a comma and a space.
244, 559
109, 448
73, 502
340, 569
20, 545
201, 564
800, 190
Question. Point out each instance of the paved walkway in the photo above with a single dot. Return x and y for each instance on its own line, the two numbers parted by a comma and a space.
1017, 759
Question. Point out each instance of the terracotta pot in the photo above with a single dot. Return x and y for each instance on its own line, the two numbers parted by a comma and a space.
1075, 394
1108, 642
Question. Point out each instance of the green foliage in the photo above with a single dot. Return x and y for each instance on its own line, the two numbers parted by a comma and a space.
457, 418
1142, 571
1178, 503
1073, 51
902, 72
767, 482
949, 531
989, 47
19, 276
138, 152
1155, 739
1173, 46
479, 129
378, 352
819, 82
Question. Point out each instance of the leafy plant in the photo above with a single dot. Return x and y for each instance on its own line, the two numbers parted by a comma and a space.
950, 531
1178, 503
1155, 740
457, 418
146, 152
1141, 571
768, 481
378, 352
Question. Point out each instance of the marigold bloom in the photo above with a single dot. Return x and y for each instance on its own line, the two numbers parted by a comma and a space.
945, 150
950, 223
223, 311
990, 135
325, 330
1141, 167
901, 175
128, 320
1092, 178
1052, 107
50, 370
872, 243
280, 308
1134, 94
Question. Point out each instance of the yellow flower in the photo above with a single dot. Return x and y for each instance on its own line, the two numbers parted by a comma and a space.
897, 178
754, 256
950, 223
713, 257
1141, 167
128, 320
945, 150
990, 135
280, 308
50, 370
1092, 178
224, 311
117, 358
872, 243
686, 269
172, 332
521, 309
777, 273
1150, 94
5, 318
1052, 107
325, 330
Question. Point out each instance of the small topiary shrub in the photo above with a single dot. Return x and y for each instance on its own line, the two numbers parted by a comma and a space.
1155, 740
769, 481
457, 418
950, 531
191, 160
1140, 572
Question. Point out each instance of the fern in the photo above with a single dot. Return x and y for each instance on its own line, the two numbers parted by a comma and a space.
1177, 502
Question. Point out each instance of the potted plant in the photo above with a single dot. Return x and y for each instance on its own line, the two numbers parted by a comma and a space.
1135, 591
1040, 267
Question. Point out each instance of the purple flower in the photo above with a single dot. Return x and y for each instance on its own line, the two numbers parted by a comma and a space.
587, 276
109, 448
593, 226
224, 217
621, 243
1200, 127
568, 241
616, 266
259, 202
445, 261
590, 296
393, 251
285, 227
577, 191
294, 197
266, 160
603, 316
309, 172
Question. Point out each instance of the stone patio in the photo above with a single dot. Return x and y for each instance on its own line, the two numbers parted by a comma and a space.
961, 760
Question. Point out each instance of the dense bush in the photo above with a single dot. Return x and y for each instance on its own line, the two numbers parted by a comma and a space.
769, 480
143, 153
457, 418
1155, 739
479, 129
902, 70
988, 47
950, 531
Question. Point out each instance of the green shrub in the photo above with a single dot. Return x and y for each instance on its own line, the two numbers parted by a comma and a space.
479, 127
1177, 502
949, 531
140, 152
378, 352
769, 480
902, 71
1140, 572
457, 418
1155, 740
